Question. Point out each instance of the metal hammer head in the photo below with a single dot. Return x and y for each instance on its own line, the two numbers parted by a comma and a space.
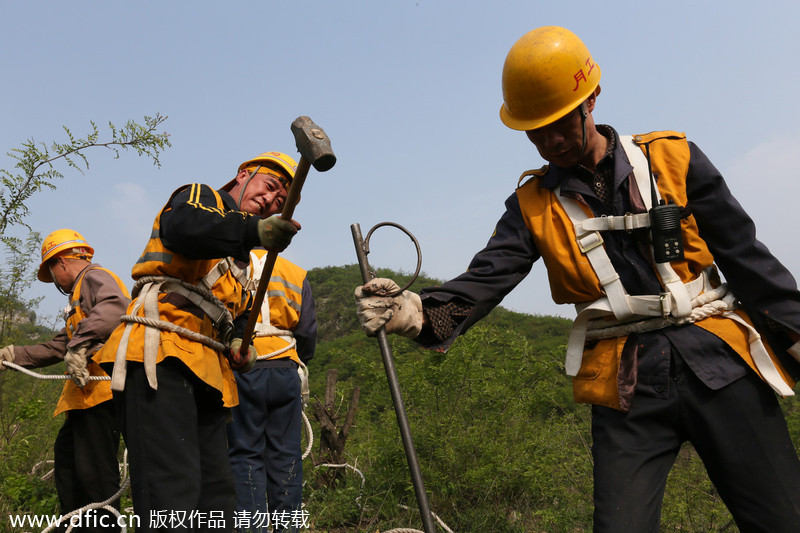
313, 144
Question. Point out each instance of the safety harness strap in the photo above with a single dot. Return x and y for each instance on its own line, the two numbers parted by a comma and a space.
626, 222
647, 188
145, 292
264, 328
590, 244
120, 362
219, 270
769, 372
680, 304
600, 316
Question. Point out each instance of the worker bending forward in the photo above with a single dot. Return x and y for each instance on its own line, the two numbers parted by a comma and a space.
172, 379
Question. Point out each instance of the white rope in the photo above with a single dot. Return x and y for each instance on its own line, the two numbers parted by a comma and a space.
363, 481
714, 302
163, 325
278, 352
406, 530
105, 504
49, 376
49, 474
309, 434
354, 469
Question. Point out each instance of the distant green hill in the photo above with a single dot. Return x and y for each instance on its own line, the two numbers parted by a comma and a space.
333, 289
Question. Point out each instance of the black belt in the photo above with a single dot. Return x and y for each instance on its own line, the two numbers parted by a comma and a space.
283, 362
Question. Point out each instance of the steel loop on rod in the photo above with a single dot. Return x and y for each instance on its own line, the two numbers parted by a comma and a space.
416, 245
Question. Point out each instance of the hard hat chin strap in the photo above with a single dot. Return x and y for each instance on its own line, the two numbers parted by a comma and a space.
56, 283
244, 188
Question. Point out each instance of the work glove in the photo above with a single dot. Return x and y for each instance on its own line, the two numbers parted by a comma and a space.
76, 361
247, 362
275, 233
6, 354
401, 314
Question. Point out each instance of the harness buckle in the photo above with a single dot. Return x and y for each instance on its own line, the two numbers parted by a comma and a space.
628, 222
224, 329
589, 241
666, 304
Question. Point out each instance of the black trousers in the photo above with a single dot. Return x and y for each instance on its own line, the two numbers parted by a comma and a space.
180, 474
739, 432
86, 464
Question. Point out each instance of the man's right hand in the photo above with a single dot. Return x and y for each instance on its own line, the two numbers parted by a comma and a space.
401, 314
245, 363
275, 233
6, 354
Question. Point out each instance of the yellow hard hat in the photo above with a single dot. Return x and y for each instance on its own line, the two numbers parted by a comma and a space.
283, 161
268, 160
548, 73
60, 241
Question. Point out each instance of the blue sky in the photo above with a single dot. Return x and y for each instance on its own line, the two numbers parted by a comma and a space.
409, 93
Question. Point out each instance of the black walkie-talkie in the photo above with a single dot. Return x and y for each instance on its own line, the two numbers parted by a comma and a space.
665, 224
665, 228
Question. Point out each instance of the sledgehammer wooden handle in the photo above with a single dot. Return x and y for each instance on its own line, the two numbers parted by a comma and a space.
315, 150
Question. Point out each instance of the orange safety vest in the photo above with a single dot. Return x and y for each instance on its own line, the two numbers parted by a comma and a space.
573, 280
283, 300
211, 366
94, 392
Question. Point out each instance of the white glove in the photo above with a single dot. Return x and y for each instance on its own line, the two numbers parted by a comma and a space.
76, 364
400, 314
239, 363
6, 354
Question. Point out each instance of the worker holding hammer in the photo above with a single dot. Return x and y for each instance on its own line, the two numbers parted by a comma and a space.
172, 377
632, 230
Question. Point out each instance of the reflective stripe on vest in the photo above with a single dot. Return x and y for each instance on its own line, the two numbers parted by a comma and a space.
280, 310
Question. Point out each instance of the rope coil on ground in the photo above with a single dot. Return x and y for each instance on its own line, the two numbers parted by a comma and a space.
105, 504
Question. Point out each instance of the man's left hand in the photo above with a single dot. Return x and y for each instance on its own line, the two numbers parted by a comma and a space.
275, 233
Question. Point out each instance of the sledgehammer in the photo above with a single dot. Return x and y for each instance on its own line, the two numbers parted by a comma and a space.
315, 149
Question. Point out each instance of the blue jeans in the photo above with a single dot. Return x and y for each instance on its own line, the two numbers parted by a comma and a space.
264, 447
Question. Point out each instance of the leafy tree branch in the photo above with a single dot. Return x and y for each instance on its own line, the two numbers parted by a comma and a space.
35, 167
